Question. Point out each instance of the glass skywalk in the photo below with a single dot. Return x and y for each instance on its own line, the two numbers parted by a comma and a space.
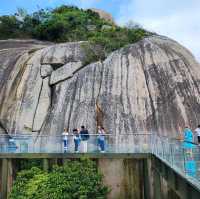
175, 153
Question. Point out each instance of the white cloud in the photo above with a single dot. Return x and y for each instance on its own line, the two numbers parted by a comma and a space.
179, 21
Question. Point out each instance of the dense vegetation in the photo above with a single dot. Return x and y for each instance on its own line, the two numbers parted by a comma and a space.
74, 180
69, 23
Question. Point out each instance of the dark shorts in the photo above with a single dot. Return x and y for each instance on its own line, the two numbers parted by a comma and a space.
198, 137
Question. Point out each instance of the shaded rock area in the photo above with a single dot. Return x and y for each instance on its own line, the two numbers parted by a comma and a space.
43, 105
153, 85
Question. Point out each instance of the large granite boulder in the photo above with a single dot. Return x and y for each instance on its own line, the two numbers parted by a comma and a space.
153, 85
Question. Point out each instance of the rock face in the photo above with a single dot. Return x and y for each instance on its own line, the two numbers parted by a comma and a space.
153, 85
14, 69
104, 15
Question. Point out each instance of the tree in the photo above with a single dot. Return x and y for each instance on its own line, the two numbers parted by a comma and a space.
70, 24
74, 180
132, 25
9, 27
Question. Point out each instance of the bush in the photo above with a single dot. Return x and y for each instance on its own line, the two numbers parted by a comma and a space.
68, 24
74, 180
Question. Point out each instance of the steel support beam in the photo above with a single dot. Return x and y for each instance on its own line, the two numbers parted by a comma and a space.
4, 178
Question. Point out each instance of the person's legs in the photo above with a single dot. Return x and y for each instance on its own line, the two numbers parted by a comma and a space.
102, 145
99, 143
76, 145
65, 145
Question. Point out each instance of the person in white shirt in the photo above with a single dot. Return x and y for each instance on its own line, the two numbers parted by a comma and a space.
77, 140
197, 131
101, 139
65, 139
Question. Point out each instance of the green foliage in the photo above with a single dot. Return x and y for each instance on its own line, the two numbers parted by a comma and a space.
74, 180
104, 42
19, 190
68, 24
9, 27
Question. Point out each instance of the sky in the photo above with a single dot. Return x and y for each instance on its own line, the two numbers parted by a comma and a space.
177, 19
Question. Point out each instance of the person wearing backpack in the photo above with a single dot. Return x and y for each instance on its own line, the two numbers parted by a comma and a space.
188, 143
84, 138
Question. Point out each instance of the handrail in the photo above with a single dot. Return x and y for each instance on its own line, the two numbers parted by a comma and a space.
178, 153
71, 134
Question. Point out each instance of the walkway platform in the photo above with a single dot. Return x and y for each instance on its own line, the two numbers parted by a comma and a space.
75, 155
150, 156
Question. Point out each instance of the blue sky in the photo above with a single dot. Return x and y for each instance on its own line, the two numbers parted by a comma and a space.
178, 19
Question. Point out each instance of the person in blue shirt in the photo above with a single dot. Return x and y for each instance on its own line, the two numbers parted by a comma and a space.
191, 167
188, 143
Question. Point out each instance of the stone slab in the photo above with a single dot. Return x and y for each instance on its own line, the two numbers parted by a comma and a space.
64, 72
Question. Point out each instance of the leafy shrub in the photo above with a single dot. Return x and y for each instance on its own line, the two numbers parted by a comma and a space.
74, 180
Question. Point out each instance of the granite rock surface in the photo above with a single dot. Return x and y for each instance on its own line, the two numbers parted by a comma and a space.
152, 85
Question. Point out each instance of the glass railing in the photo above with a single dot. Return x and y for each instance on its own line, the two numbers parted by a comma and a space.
123, 143
181, 156
184, 157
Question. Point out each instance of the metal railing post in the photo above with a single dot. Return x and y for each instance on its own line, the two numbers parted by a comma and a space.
184, 161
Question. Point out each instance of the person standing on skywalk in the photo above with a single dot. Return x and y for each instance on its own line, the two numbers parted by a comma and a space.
84, 138
101, 139
65, 139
